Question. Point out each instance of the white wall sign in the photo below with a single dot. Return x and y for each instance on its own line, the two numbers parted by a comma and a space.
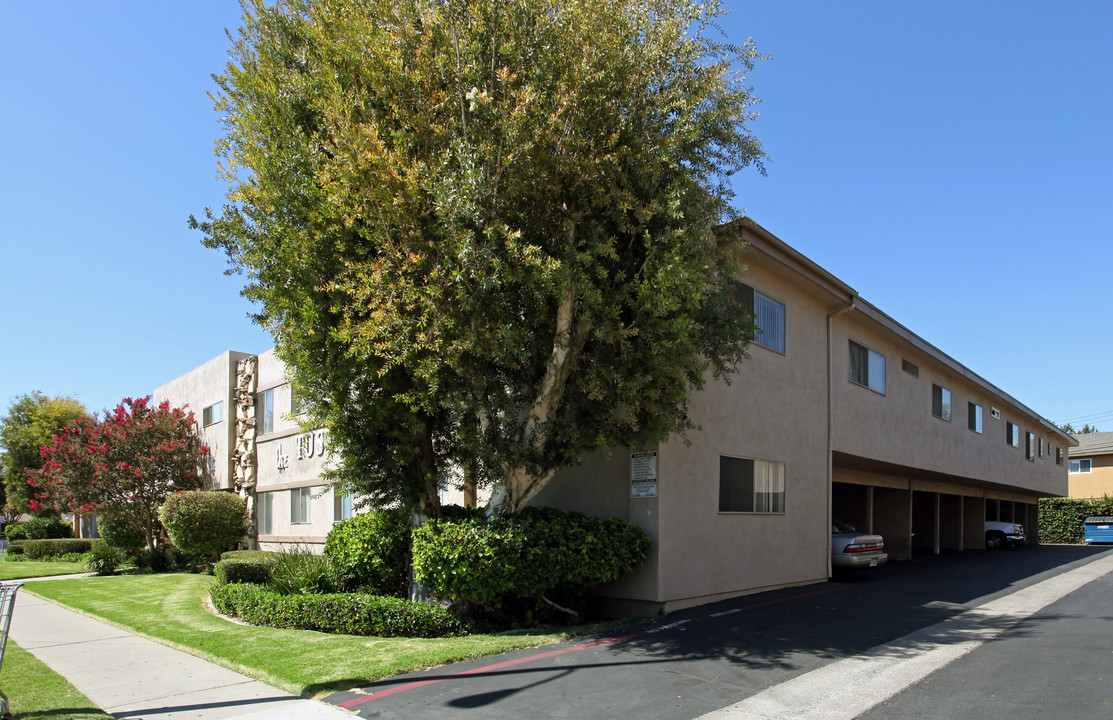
312, 444
643, 474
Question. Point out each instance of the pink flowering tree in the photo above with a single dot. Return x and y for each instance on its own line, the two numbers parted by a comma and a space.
125, 465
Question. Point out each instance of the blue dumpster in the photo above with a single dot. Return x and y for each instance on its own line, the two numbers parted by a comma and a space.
1098, 529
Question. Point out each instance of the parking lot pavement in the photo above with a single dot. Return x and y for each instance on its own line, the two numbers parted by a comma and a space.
703, 659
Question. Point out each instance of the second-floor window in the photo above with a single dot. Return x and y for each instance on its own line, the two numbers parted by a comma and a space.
940, 402
1082, 465
974, 417
867, 367
264, 411
212, 414
769, 318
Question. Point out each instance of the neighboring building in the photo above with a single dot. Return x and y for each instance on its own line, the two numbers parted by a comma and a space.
1091, 465
250, 419
840, 412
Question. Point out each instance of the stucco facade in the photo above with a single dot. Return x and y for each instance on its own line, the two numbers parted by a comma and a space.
1091, 466
839, 412
878, 452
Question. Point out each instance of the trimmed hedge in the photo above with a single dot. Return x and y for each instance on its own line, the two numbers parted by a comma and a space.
242, 570
15, 547
1061, 518
253, 555
39, 529
346, 613
372, 551
519, 558
39, 549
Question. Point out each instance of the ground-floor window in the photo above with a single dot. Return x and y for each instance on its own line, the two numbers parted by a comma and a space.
264, 512
753, 486
299, 505
342, 509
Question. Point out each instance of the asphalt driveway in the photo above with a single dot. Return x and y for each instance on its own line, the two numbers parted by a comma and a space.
696, 661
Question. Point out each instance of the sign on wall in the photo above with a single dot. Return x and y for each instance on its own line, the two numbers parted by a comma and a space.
643, 474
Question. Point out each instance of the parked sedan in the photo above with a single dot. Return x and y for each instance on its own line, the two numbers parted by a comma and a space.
851, 550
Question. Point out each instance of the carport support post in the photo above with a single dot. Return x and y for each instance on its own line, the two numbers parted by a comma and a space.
869, 508
961, 523
936, 548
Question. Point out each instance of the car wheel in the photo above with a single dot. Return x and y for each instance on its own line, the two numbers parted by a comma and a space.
994, 541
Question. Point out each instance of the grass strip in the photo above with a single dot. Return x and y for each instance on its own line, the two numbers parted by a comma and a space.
170, 608
37, 568
36, 692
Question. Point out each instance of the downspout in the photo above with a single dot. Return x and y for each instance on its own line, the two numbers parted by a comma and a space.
831, 421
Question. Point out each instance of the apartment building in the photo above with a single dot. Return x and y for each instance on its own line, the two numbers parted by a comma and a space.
840, 413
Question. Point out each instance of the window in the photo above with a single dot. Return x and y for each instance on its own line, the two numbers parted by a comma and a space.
769, 318
974, 417
752, 486
1039, 446
297, 406
1012, 434
940, 402
1083, 465
995, 413
212, 414
1029, 445
909, 368
342, 507
264, 512
264, 411
867, 367
1058, 456
299, 505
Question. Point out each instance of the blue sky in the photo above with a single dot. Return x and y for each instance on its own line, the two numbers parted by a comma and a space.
952, 161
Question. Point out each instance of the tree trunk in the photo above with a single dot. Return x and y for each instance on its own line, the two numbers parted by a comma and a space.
520, 485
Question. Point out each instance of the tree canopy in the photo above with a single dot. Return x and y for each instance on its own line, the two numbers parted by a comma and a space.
125, 465
32, 421
481, 233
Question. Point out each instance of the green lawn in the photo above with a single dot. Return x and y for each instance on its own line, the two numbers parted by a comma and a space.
36, 568
169, 608
38, 693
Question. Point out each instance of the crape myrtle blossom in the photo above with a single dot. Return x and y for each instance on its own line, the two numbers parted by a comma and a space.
124, 465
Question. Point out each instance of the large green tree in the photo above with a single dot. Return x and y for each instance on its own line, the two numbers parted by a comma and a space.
481, 233
31, 423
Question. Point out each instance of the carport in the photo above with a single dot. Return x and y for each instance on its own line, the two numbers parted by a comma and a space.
922, 513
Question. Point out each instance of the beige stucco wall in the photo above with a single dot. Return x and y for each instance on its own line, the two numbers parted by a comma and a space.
899, 427
774, 410
199, 388
1097, 482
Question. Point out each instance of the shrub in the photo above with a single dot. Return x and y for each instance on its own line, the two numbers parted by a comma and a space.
103, 559
204, 523
1060, 519
236, 570
15, 532
120, 534
348, 613
41, 549
15, 547
253, 555
372, 551
39, 529
300, 572
508, 564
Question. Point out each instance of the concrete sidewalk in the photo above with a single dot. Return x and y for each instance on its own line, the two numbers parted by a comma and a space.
132, 677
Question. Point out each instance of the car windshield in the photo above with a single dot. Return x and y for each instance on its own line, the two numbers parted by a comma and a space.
841, 527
